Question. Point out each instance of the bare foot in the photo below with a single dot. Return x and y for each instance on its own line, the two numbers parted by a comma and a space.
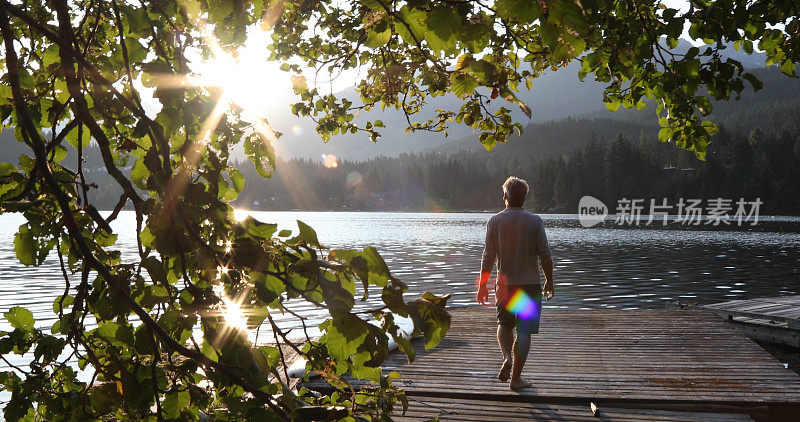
505, 371
520, 383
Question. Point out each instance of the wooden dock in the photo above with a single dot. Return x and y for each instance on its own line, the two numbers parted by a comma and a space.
771, 319
654, 365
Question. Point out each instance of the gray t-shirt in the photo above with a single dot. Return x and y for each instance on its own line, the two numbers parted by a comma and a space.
515, 238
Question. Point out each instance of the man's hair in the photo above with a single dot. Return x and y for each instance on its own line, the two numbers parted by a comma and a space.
516, 190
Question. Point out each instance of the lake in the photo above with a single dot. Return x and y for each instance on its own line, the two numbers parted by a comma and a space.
608, 266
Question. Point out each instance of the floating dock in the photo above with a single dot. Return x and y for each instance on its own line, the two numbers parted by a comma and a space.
773, 320
633, 365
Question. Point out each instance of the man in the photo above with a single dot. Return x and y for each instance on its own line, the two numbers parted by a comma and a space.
516, 239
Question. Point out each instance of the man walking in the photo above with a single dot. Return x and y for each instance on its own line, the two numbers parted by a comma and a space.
516, 239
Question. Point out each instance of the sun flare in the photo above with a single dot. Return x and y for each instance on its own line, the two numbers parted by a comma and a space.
246, 76
233, 314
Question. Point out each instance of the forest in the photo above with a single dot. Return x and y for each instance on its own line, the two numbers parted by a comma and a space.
759, 163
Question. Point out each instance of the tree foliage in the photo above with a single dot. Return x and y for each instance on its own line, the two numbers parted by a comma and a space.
149, 339
485, 51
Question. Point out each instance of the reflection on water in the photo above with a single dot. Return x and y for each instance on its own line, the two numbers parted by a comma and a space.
603, 267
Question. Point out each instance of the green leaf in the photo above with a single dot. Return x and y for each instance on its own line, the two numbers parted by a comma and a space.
710, 128
522, 11
62, 302
787, 67
440, 301
48, 348
378, 39
236, 178
567, 13
376, 346
105, 397
155, 268
259, 230
343, 335
757, 84
392, 296
175, 403
19, 407
665, 134
139, 174
612, 104
487, 73
488, 140
463, 85
115, 333
20, 318
430, 317
50, 56
260, 153
336, 297
404, 344
415, 19
378, 269
267, 357
306, 235
444, 24
25, 246
59, 154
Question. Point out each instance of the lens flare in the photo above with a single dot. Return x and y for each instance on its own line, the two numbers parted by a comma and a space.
354, 179
330, 161
523, 306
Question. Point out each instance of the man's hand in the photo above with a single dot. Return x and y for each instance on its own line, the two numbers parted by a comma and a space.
547, 267
549, 291
483, 294
483, 290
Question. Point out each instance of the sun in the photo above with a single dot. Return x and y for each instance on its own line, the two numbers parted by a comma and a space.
233, 314
246, 76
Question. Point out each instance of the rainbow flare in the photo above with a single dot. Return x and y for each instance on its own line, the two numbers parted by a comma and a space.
523, 306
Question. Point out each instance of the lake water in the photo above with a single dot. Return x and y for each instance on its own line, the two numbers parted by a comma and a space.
603, 267
608, 266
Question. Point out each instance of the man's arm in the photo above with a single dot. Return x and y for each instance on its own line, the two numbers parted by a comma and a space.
546, 259
487, 263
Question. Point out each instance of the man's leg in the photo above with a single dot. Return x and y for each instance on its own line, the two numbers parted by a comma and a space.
527, 324
505, 338
521, 348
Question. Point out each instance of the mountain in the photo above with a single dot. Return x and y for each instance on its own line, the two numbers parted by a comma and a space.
553, 95
10, 149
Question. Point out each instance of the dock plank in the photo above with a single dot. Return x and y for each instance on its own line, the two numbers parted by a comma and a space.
427, 408
618, 359
784, 309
